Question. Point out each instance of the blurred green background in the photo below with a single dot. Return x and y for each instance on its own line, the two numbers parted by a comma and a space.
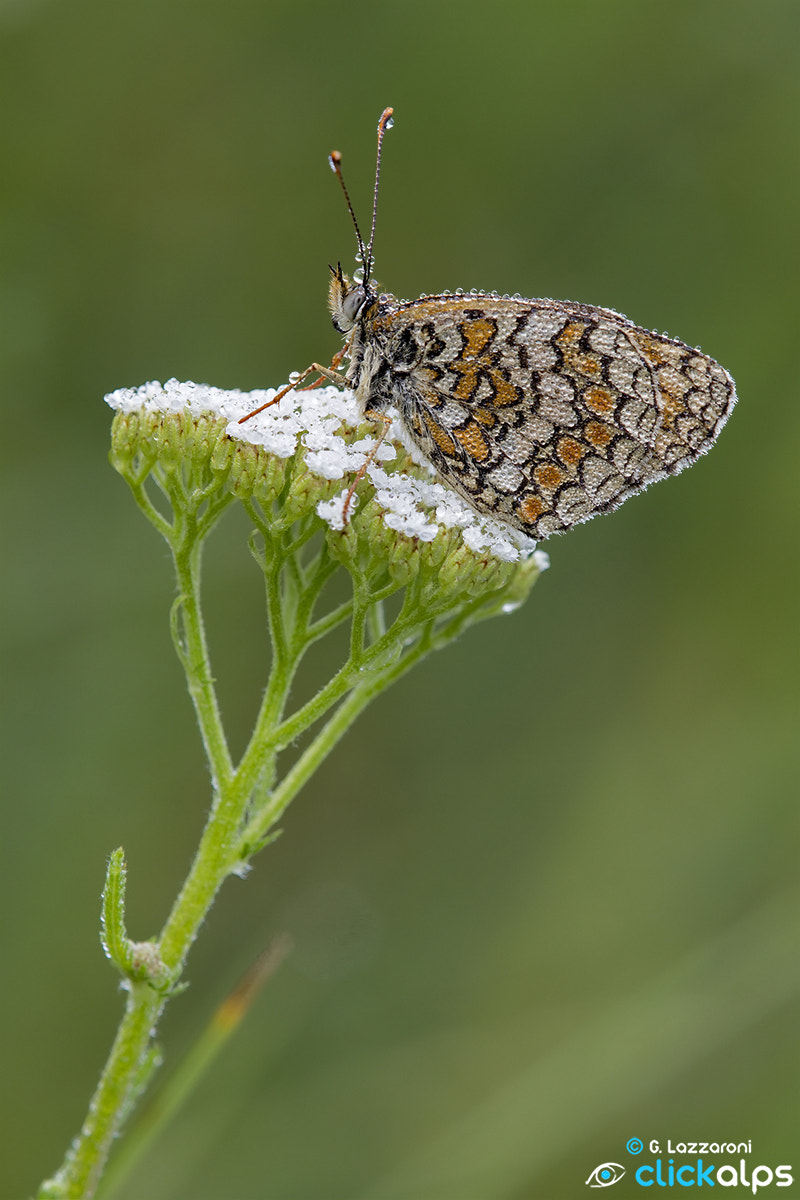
545, 895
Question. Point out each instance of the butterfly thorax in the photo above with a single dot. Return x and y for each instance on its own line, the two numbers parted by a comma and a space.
363, 315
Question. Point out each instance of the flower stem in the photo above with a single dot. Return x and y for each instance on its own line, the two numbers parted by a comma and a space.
119, 1084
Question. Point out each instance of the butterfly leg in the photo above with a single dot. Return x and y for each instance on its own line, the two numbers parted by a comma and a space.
336, 361
325, 372
386, 422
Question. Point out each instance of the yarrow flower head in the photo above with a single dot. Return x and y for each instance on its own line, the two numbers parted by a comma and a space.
298, 458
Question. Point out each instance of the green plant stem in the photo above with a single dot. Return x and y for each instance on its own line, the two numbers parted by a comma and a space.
194, 652
195, 1064
119, 1084
226, 840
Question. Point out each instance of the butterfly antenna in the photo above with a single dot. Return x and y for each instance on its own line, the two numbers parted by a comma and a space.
386, 122
335, 163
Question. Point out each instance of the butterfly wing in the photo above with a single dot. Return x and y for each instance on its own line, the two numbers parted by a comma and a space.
546, 413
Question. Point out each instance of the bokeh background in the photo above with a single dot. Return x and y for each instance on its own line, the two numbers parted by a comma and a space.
545, 896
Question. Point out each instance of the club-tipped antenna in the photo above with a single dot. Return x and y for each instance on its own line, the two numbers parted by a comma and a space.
335, 162
386, 122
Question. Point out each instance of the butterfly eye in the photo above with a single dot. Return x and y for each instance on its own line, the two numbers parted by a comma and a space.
345, 302
352, 303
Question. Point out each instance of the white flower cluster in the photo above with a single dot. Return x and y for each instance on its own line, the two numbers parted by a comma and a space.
416, 508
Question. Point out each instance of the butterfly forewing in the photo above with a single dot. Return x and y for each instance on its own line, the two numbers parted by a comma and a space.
542, 413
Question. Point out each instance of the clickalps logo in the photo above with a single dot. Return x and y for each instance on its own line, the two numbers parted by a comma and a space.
692, 1164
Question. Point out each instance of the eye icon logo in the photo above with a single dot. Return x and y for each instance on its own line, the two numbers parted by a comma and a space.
605, 1175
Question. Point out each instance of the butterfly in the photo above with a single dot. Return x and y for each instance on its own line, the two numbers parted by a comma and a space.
540, 413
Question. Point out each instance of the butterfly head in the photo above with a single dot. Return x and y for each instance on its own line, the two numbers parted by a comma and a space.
347, 299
